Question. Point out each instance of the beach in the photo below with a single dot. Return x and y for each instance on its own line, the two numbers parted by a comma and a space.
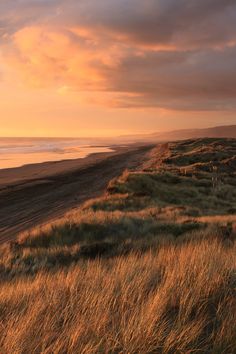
35, 194
17, 152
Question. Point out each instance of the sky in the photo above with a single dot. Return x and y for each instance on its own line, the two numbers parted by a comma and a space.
111, 67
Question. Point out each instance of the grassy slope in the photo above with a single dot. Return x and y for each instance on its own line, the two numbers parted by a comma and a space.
150, 267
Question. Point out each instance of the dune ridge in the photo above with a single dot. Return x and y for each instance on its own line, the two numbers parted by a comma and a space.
148, 267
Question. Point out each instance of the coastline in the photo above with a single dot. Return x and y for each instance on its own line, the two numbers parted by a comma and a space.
39, 170
15, 157
35, 194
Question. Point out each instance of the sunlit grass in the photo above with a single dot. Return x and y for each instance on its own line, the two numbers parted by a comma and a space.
178, 300
149, 267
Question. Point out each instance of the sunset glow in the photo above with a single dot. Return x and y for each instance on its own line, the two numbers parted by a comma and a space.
117, 176
89, 68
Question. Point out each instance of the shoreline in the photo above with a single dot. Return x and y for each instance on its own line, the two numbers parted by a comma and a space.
22, 157
32, 171
35, 194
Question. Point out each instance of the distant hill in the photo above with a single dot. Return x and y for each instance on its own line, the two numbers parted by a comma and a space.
228, 131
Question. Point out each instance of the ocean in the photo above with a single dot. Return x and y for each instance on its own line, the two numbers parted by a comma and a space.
16, 152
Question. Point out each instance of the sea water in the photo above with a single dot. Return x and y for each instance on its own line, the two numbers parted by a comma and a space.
16, 152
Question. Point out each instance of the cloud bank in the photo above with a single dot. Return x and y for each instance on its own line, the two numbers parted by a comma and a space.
174, 54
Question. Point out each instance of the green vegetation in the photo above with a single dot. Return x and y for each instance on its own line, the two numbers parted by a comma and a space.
147, 268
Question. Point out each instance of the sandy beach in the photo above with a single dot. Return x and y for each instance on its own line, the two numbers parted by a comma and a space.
34, 194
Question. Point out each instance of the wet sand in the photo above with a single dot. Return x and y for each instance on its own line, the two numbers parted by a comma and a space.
35, 194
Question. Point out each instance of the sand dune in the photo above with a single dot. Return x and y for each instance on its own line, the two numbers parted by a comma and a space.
34, 194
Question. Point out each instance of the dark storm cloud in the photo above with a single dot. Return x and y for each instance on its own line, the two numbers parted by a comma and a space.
196, 80
16, 14
187, 22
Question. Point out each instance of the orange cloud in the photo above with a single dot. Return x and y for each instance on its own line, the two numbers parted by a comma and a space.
165, 54
47, 56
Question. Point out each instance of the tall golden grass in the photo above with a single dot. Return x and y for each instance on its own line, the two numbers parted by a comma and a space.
180, 299
148, 268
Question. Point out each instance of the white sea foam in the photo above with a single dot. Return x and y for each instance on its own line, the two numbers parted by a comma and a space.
16, 152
